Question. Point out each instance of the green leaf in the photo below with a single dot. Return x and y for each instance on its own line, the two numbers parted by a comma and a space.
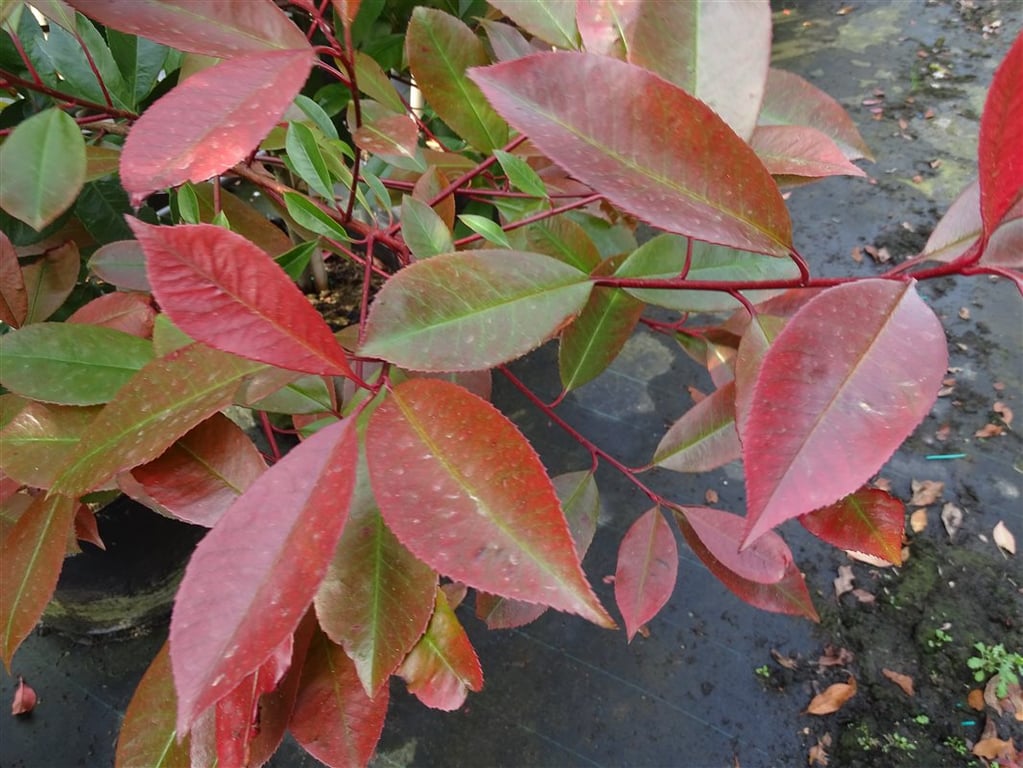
309, 216
306, 394
565, 240
594, 339
374, 82
50, 280
704, 438
295, 260
663, 257
101, 208
77, 73
317, 114
472, 310
140, 62
158, 405
307, 161
43, 163
188, 204
551, 20
440, 49
520, 174
424, 231
487, 228
69, 363
39, 437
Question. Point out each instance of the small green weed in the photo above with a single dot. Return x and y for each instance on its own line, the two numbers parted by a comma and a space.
763, 671
939, 639
993, 660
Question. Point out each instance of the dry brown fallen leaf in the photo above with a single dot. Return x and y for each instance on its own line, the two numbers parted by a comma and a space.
786, 661
918, 520
863, 557
863, 596
1011, 703
833, 698
951, 518
711, 496
926, 492
883, 484
905, 682
844, 580
818, 754
990, 430
835, 657
994, 748
24, 699
1004, 538
976, 699
1003, 411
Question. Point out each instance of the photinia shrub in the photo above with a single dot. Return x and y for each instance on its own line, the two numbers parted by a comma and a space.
177, 173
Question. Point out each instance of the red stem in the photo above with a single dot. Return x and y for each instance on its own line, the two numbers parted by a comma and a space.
11, 79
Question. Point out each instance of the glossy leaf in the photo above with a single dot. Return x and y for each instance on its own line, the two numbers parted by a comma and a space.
139, 60
790, 150
245, 219
426, 189
100, 207
211, 121
577, 492
13, 296
565, 240
376, 598
423, 229
222, 29
148, 734
842, 386
160, 403
307, 160
647, 569
461, 488
221, 289
791, 100
551, 20
778, 585
376, 83
69, 363
130, 313
486, 228
760, 332
44, 163
704, 438
472, 310
869, 521
631, 155
77, 54
594, 339
310, 216
37, 441
204, 472
663, 257
281, 534
49, 280
122, 264
1000, 150
334, 720
440, 48
238, 718
506, 41
31, 556
692, 45
961, 227
443, 667
521, 176
390, 136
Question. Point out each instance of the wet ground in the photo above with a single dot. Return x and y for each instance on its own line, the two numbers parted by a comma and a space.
712, 684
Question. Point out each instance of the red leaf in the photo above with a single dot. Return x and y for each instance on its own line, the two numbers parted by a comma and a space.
376, 598
148, 735
334, 720
443, 667
647, 569
39, 439
577, 492
869, 521
787, 594
49, 281
221, 29
791, 100
238, 713
211, 121
459, 485
128, 312
222, 290
842, 386
1000, 150
204, 472
790, 150
122, 264
31, 556
704, 438
253, 576
602, 23
13, 296
756, 339
632, 154
86, 528
24, 699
